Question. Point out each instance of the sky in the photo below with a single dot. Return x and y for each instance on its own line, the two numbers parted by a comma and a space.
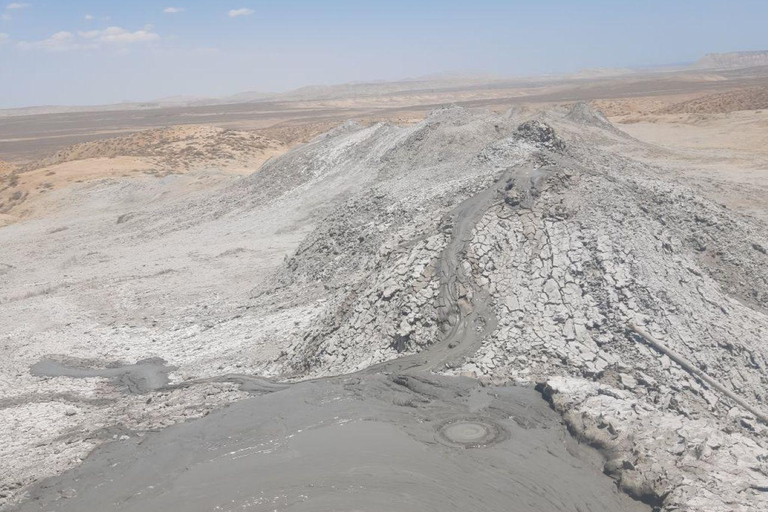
86, 52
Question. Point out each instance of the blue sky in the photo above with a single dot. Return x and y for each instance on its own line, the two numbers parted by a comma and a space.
89, 52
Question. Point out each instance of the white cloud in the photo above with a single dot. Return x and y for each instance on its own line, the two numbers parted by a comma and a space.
58, 42
173, 10
89, 40
234, 13
90, 34
5, 17
90, 17
3, 38
120, 35
17, 5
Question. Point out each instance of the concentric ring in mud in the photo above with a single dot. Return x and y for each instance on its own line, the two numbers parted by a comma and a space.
470, 432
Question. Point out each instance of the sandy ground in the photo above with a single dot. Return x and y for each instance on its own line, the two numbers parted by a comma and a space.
216, 152
738, 132
723, 155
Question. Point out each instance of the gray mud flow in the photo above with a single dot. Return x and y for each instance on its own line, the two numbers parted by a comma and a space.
464, 309
146, 375
371, 442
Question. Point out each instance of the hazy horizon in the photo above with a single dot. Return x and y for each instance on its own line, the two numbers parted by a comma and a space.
88, 52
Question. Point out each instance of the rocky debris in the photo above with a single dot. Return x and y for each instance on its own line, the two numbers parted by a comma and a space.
668, 460
540, 134
391, 313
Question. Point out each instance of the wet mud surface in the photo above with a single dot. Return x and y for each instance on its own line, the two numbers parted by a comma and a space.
372, 442
145, 375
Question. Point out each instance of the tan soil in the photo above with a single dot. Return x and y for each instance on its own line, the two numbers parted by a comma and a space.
755, 98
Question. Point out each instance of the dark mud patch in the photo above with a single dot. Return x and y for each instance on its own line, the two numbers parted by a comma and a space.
144, 376
344, 444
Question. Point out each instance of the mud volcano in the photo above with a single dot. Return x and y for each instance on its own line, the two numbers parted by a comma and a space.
467, 244
471, 432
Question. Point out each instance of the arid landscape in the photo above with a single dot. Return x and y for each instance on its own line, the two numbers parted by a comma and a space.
454, 292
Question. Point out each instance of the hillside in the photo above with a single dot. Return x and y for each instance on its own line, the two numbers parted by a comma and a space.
152, 153
733, 60
178, 148
755, 98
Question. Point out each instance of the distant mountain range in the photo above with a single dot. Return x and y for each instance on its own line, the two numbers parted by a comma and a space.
733, 60
428, 83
